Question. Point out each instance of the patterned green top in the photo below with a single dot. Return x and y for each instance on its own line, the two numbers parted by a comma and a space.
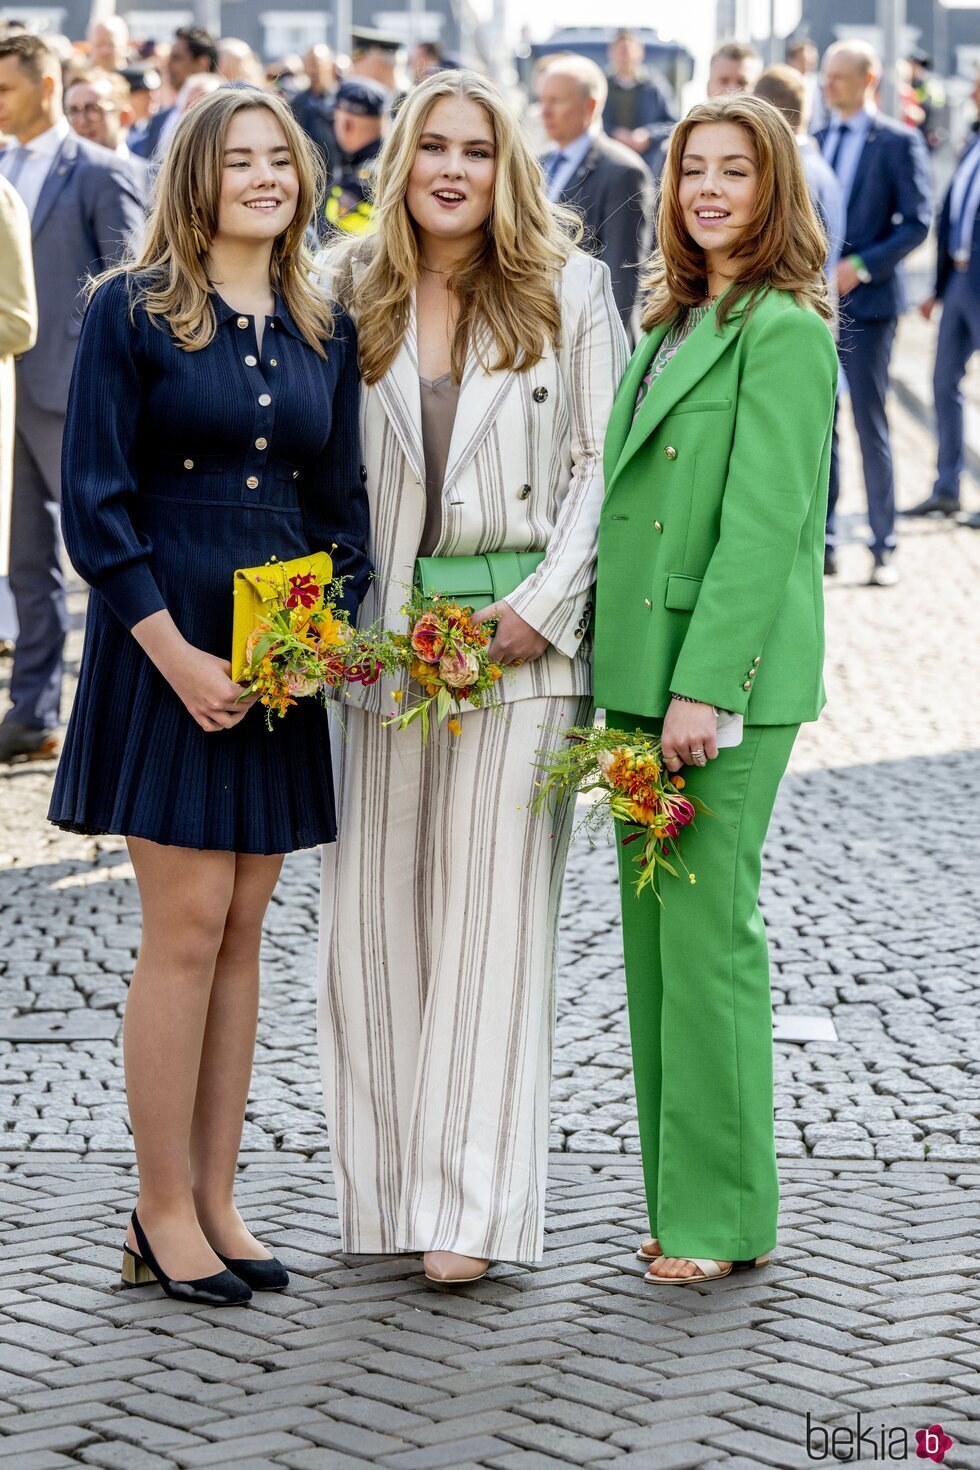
675, 338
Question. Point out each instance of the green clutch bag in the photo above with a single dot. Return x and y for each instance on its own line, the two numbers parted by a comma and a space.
475, 581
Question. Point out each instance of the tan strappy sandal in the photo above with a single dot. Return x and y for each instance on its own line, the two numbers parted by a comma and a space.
708, 1270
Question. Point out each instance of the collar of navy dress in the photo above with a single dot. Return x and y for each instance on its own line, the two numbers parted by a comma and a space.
280, 314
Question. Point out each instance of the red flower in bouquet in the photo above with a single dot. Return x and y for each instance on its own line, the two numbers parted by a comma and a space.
428, 638
304, 591
626, 772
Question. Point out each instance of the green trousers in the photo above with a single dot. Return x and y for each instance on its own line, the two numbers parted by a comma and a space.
697, 978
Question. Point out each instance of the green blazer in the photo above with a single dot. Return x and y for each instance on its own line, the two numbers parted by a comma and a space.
711, 539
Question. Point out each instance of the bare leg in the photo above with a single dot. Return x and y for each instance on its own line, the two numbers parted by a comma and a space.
226, 1061
185, 896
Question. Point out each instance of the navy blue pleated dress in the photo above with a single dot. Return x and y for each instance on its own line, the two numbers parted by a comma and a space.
178, 468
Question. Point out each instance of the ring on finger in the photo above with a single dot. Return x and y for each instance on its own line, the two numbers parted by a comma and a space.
698, 757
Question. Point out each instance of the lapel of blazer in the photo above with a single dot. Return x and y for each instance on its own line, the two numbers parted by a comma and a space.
586, 167
692, 361
481, 395
621, 417
866, 161
398, 391
58, 174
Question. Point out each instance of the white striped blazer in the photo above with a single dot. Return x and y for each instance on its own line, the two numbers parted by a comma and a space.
524, 473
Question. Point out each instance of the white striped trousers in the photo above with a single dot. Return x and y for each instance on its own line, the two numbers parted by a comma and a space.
437, 982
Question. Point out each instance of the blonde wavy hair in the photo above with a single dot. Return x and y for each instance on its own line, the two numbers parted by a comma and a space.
170, 275
509, 284
783, 245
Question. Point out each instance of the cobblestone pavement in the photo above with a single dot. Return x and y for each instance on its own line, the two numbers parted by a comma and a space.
872, 1304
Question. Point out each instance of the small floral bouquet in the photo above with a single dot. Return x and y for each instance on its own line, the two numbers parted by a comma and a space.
301, 642
635, 788
445, 654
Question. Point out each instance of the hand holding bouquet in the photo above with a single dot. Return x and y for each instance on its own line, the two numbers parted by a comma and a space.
635, 788
444, 653
299, 642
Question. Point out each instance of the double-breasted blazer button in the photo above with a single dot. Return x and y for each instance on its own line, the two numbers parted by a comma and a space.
295, 474
252, 482
657, 526
188, 464
523, 492
756, 662
243, 321
261, 443
539, 395
747, 684
272, 362
251, 361
363, 474
265, 399
648, 602
670, 452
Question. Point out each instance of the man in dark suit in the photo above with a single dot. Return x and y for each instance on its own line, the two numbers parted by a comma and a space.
957, 290
609, 185
313, 107
193, 52
883, 170
85, 207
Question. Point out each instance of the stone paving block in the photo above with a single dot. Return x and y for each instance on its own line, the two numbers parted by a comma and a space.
573, 1415
231, 1451
356, 1439
491, 1421
62, 1437
119, 1456
435, 1457
203, 1364
242, 1422
551, 1439
320, 1459
375, 1414
668, 1457
684, 1428
764, 1449
503, 1397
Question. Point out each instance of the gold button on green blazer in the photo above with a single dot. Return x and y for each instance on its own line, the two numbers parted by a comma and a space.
711, 540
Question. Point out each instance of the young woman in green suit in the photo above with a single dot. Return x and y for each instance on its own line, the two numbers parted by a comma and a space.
709, 600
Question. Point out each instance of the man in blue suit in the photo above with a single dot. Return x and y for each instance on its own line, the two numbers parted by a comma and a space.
86, 207
883, 170
958, 291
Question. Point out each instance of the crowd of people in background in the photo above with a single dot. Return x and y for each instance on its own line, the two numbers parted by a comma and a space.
85, 126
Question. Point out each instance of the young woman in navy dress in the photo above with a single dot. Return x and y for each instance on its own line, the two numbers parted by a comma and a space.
213, 424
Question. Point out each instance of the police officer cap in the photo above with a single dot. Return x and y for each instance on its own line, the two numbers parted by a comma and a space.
142, 78
363, 96
364, 39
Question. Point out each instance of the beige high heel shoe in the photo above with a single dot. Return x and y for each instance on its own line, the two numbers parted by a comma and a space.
708, 1270
450, 1269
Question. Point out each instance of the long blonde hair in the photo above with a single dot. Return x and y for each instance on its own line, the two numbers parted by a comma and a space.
783, 244
509, 285
170, 275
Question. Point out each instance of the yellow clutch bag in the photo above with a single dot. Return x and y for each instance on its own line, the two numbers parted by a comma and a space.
304, 580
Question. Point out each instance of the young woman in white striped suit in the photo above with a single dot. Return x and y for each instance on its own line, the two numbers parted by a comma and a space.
490, 350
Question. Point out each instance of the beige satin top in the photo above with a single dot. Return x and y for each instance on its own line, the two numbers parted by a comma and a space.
439, 398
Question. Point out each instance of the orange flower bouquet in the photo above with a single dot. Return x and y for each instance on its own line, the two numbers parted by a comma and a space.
634, 787
444, 656
301, 642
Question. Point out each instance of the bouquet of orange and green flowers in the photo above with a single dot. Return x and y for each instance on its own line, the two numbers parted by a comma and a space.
445, 657
626, 776
293, 639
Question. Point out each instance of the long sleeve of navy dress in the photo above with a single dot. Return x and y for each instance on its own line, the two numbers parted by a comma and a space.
178, 468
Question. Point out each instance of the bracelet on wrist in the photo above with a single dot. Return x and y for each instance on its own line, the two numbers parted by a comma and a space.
685, 698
